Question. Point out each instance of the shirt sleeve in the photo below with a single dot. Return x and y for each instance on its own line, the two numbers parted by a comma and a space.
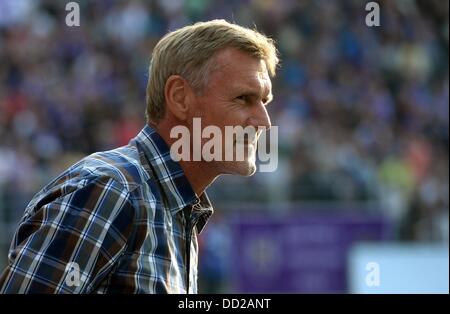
70, 244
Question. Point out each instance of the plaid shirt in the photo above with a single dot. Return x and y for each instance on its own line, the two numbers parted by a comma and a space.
121, 221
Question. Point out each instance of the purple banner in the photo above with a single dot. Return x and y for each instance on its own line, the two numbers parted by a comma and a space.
298, 252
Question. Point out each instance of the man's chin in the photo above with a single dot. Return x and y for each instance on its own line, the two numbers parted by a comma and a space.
251, 169
241, 168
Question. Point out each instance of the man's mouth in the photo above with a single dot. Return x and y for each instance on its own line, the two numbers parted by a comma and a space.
247, 143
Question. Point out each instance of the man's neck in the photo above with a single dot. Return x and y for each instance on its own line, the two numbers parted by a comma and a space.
199, 173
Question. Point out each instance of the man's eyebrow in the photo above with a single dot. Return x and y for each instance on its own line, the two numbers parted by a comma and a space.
250, 91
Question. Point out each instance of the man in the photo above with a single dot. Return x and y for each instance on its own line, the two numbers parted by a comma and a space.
127, 220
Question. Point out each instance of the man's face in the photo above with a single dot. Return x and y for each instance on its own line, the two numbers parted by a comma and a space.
236, 94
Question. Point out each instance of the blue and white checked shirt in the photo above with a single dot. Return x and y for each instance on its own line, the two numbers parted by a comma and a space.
127, 219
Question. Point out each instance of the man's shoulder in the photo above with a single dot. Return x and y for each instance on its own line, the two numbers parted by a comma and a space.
122, 164
119, 171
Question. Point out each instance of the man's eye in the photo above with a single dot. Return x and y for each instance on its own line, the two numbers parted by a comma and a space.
242, 98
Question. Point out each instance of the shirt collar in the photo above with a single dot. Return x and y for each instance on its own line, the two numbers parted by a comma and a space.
157, 162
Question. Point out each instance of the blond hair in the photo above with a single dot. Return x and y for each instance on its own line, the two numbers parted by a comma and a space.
188, 51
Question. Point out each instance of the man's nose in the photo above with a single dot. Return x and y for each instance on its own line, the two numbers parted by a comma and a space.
260, 117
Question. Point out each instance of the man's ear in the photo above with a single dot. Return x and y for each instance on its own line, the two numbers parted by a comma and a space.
176, 93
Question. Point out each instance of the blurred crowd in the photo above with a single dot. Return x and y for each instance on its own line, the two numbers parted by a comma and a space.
362, 111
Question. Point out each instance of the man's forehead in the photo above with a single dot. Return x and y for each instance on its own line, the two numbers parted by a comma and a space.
236, 61
237, 68
254, 82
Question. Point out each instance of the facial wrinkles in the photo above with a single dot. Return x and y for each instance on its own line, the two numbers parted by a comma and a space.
220, 90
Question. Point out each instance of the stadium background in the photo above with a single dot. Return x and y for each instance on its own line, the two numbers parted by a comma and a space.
363, 134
